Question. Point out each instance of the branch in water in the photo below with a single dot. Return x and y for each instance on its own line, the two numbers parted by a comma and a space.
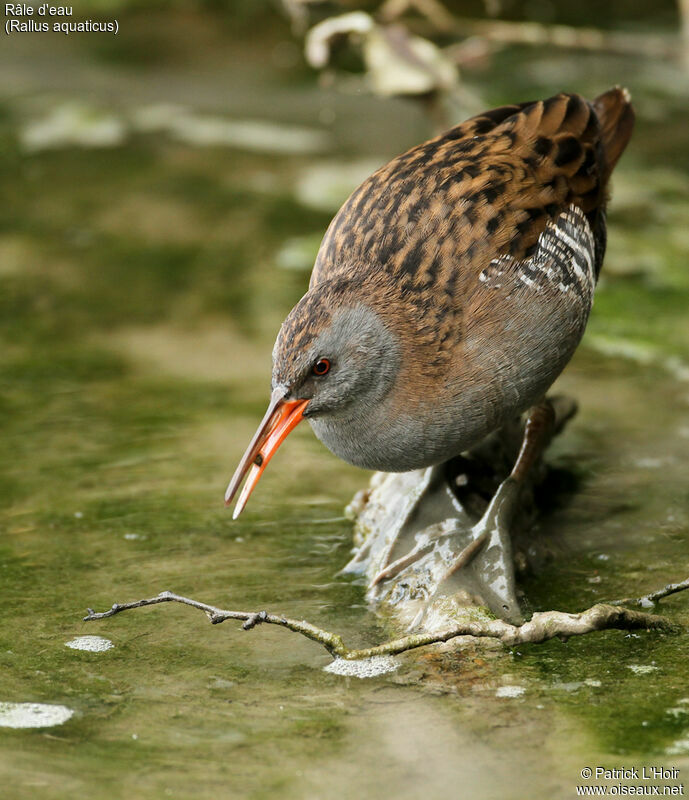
544, 625
650, 599
332, 643
501, 32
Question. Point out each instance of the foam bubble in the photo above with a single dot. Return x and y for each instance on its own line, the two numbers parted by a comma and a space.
94, 644
33, 715
641, 669
679, 748
510, 691
363, 667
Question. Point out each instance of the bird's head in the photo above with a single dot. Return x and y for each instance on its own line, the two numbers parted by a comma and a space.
334, 358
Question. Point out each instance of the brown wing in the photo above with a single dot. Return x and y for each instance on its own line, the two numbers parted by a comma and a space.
438, 214
542, 303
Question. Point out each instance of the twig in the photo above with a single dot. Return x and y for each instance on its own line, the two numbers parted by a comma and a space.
432, 10
650, 599
440, 19
332, 643
540, 628
683, 8
565, 36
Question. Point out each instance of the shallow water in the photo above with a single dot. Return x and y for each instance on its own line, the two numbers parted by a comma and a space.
139, 295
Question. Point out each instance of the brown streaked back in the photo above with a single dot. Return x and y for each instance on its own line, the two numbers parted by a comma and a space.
435, 216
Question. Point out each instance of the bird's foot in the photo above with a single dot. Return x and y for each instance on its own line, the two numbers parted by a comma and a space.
484, 557
480, 560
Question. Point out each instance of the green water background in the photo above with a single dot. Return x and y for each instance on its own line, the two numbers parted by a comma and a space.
141, 286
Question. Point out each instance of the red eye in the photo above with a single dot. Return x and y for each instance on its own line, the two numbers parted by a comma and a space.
321, 367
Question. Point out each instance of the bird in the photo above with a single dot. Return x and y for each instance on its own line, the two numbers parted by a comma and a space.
450, 290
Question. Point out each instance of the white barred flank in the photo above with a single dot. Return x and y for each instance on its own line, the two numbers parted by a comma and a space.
564, 259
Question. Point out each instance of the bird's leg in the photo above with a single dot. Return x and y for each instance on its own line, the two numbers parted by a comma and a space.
494, 563
488, 554
538, 431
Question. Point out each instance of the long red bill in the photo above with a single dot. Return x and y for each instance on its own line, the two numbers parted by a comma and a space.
280, 418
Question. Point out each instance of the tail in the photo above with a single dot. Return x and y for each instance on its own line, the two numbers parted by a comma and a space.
616, 116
